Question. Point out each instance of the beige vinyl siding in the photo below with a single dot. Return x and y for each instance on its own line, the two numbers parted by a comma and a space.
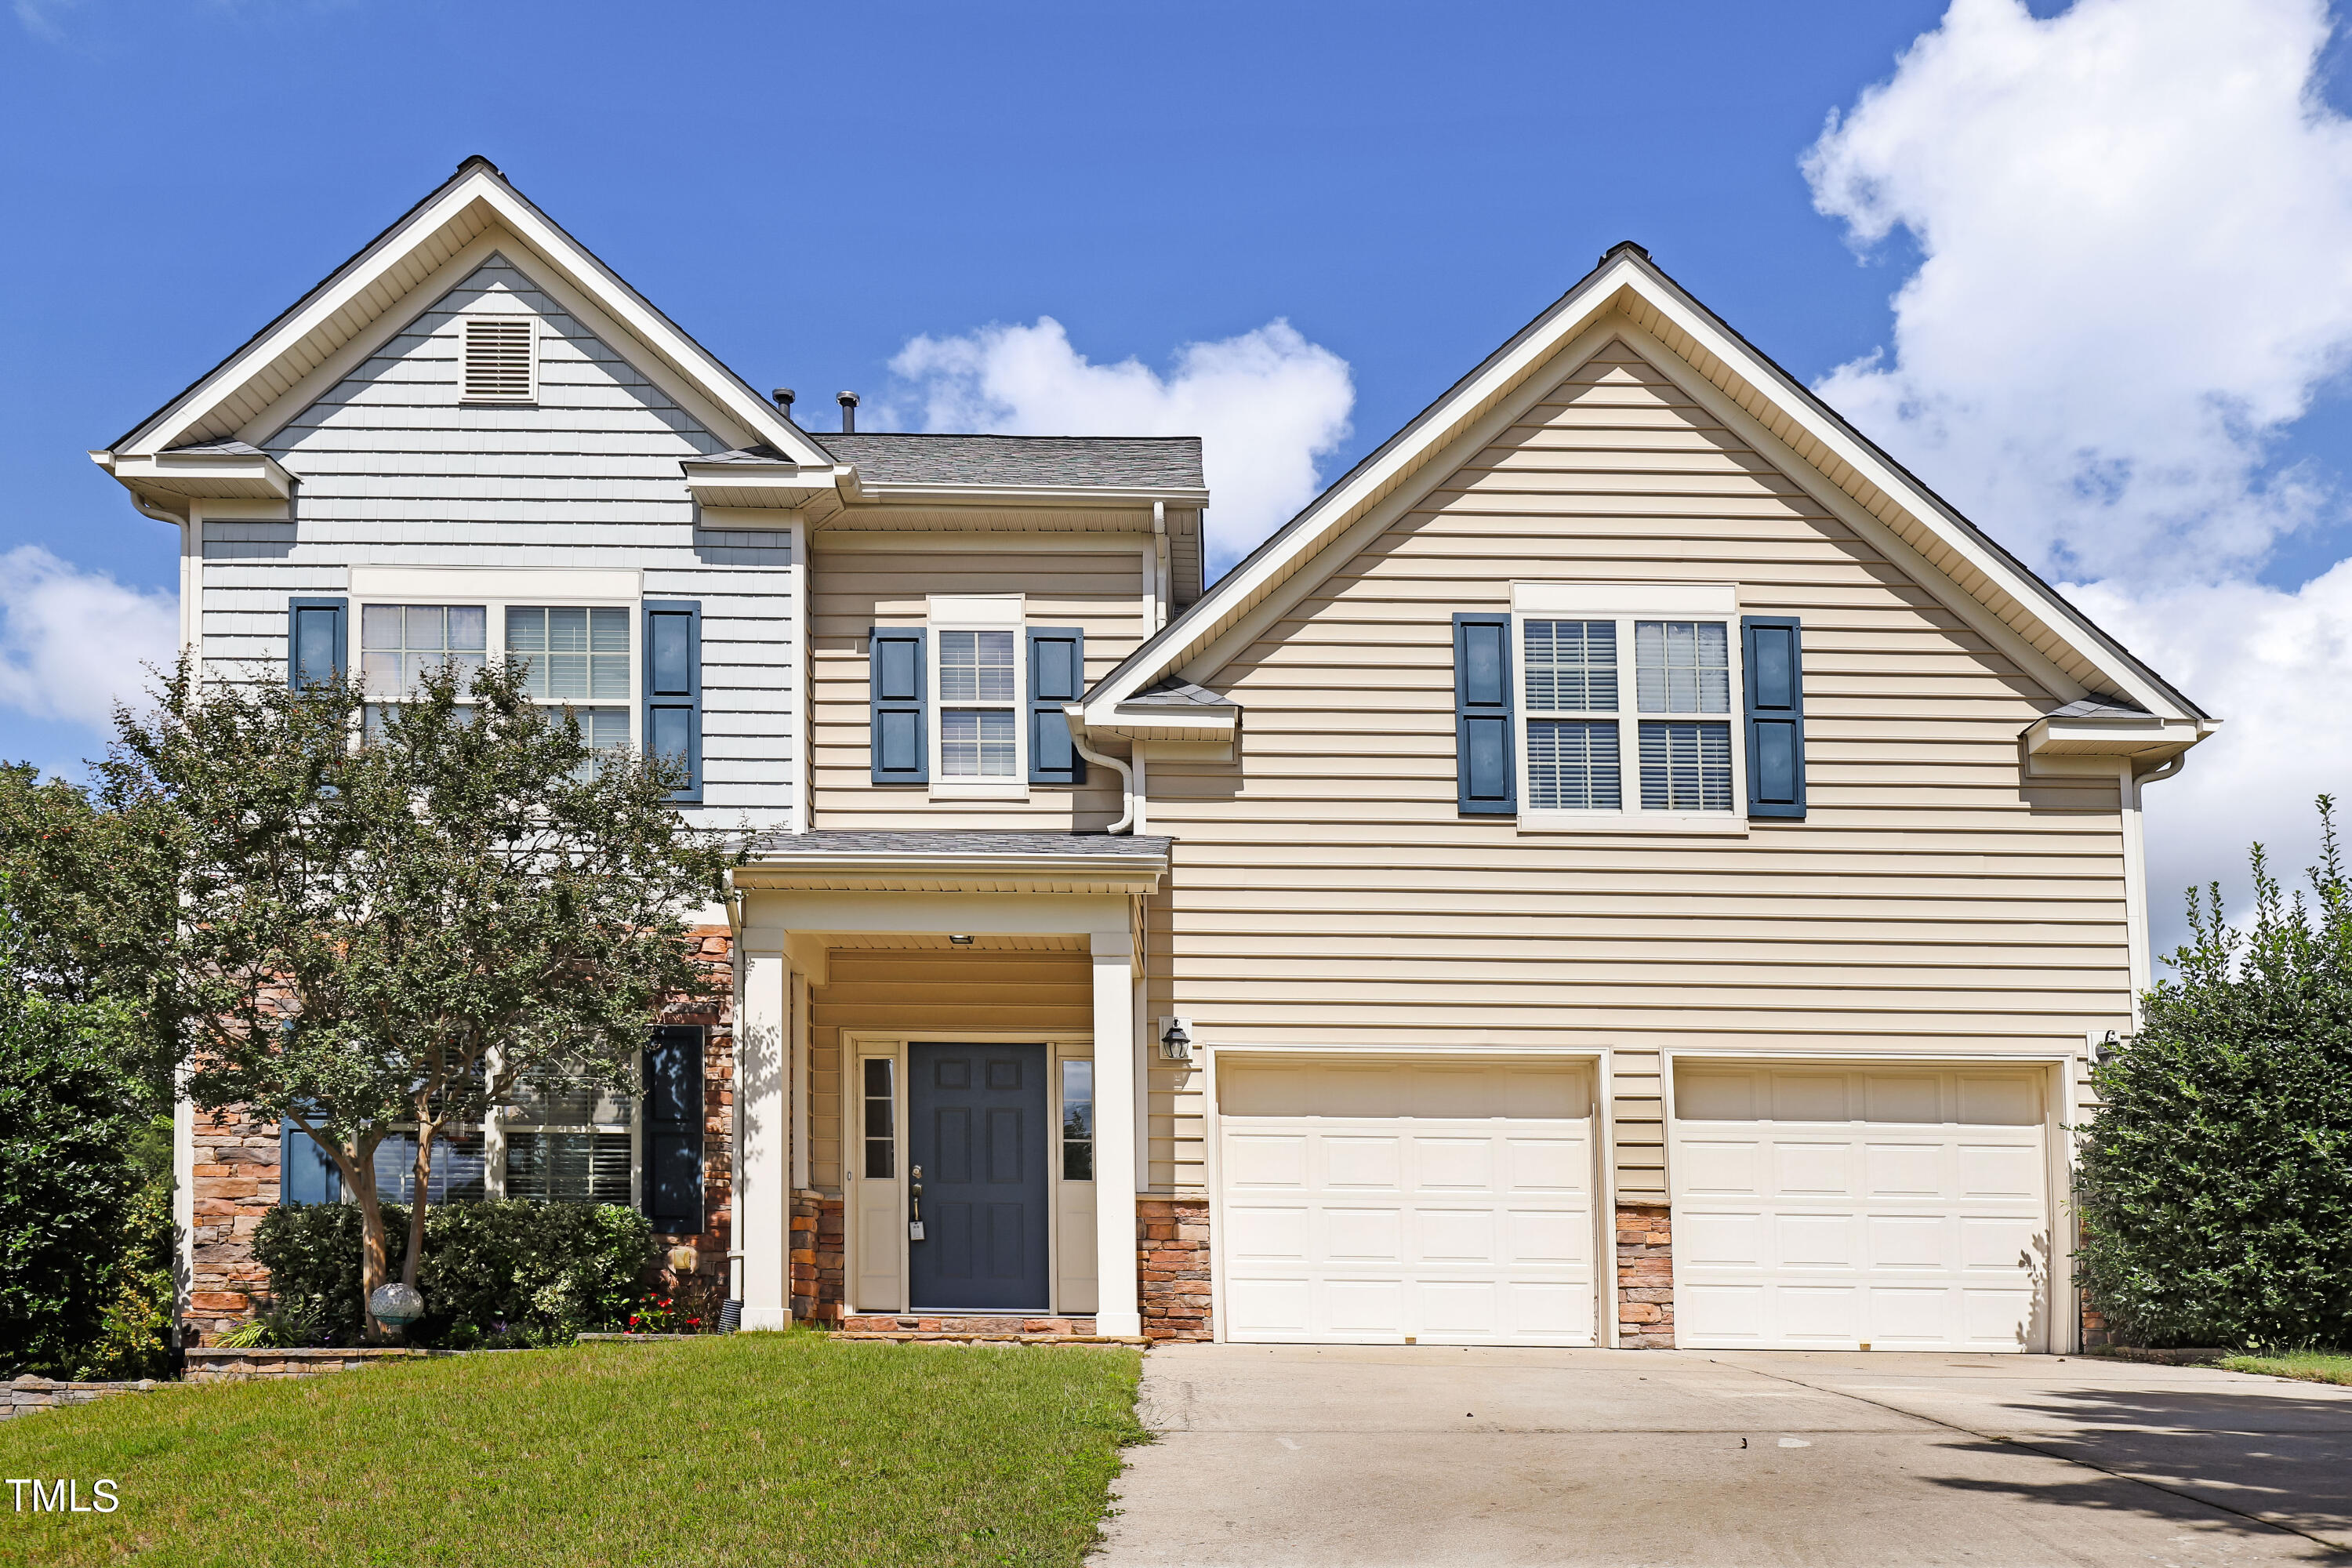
907, 991
1325, 891
861, 581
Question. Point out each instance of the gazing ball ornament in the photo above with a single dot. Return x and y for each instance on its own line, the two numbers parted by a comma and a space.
683, 1258
396, 1305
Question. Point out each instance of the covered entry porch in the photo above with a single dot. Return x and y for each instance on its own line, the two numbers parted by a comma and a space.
937, 1116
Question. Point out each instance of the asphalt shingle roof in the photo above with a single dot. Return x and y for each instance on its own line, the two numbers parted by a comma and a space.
1174, 693
1078, 463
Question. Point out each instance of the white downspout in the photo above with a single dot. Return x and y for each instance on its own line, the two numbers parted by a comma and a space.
2143, 963
735, 1117
1076, 715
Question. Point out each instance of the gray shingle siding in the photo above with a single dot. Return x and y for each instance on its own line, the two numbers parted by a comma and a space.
392, 469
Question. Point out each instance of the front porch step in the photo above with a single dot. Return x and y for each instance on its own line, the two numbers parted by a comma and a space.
1012, 1328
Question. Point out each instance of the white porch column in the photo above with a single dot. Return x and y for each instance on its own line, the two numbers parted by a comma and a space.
763, 1198
1115, 1311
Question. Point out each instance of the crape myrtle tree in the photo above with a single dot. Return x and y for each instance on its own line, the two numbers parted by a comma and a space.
384, 927
2216, 1175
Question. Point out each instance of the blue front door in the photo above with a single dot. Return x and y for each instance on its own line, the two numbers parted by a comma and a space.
977, 1125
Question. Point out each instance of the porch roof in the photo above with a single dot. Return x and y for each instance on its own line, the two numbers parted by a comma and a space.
972, 861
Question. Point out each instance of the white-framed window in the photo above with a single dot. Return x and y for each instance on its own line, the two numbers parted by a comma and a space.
498, 359
580, 656
1628, 705
978, 670
570, 1142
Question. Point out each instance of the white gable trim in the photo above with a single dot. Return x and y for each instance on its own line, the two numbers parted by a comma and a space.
1347, 516
348, 305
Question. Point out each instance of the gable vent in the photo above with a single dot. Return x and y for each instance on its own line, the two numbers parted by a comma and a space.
501, 360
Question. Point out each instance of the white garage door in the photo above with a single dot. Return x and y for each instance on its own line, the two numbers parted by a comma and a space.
1370, 1203
1890, 1208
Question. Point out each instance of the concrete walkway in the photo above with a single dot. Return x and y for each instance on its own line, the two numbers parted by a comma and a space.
1314, 1455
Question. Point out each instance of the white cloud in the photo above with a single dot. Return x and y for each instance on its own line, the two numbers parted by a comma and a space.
1267, 405
72, 643
2134, 224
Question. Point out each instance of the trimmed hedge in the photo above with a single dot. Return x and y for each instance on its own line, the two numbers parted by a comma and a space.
505, 1272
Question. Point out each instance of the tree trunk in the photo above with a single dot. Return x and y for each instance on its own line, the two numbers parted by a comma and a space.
374, 1261
422, 1171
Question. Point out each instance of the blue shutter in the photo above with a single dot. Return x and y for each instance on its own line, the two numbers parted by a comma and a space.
1486, 778
673, 704
673, 1130
1771, 650
316, 637
1058, 674
305, 1174
901, 730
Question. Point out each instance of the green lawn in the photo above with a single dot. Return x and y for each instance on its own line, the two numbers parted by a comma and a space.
751, 1448
2311, 1366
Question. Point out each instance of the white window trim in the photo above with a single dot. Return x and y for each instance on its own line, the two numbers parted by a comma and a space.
530, 357
495, 591
1625, 602
978, 613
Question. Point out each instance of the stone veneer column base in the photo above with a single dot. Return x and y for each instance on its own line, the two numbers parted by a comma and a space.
817, 1257
1172, 1262
1645, 1277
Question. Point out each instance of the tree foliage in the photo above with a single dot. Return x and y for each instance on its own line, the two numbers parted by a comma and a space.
70, 1185
2216, 1175
376, 920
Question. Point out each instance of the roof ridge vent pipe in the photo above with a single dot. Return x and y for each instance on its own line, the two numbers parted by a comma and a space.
1075, 714
782, 398
848, 401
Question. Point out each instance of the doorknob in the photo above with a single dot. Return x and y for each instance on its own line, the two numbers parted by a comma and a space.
915, 1203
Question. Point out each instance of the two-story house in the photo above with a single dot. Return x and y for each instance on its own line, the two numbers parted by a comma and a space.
1626, 866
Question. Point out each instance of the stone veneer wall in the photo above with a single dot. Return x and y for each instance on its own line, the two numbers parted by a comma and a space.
23, 1395
818, 1289
1172, 1267
236, 1177
1645, 1277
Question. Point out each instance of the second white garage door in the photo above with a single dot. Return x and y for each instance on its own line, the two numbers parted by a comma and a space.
1450, 1202
1888, 1208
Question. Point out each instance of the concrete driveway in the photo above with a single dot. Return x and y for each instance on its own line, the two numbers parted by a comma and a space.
1301, 1454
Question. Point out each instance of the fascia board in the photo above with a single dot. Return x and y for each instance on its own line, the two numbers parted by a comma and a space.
546, 275
1929, 509
593, 279
201, 475
335, 292
1502, 410
733, 484
1210, 622
1264, 568
1329, 513
1135, 873
1874, 531
2120, 735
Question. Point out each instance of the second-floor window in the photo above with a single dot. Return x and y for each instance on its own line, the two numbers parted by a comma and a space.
579, 658
1626, 697
980, 721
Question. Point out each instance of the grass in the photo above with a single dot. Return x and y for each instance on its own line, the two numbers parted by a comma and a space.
2311, 1366
751, 1448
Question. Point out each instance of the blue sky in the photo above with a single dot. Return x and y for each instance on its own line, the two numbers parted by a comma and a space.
808, 188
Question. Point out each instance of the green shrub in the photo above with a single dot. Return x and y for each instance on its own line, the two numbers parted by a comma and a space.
70, 1117
497, 1273
2216, 1176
